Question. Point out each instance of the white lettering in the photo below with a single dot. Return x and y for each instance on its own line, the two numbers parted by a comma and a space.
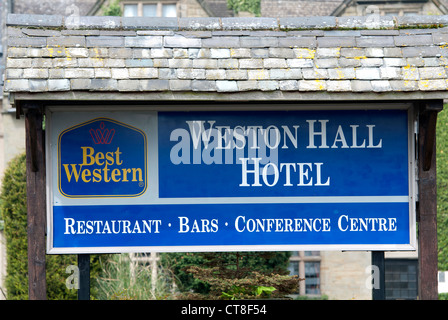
380, 143
293, 139
306, 172
354, 138
340, 138
346, 223
69, 222
282, 225
267, 137
265, 175
322, 133
74, 227
245, 171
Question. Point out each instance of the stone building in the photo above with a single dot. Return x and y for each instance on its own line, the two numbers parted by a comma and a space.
278, 8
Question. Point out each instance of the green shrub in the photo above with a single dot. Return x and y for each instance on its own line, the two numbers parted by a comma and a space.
443, 296
442, 188
252, 6
230, 274
112, 9
228, 284
15, 224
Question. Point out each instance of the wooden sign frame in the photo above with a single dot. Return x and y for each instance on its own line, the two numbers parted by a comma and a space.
426, 205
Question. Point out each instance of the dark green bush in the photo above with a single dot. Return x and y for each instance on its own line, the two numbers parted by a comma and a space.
442, 188
239, 264
14, 215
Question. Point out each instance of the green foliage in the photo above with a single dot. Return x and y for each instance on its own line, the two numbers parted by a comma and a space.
234, 275
264, 262
14, 213
113, 8
242, 283
442, 189
252, 6
178, 264
251, 291
253, 285
323, 297
443, 296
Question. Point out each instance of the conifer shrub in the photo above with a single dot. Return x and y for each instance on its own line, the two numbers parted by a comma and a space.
232, 275
442, 189
13, 204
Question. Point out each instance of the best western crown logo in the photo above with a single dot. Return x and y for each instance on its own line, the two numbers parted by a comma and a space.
102, 158
102, 136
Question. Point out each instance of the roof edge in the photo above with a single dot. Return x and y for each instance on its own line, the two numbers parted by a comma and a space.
226, 24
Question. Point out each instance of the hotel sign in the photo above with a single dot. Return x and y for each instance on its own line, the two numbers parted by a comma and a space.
127, 181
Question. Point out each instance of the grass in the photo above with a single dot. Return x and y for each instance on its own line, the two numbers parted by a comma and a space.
124, 278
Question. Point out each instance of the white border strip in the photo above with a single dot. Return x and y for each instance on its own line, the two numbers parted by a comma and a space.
255, 200
323, 247
252, 200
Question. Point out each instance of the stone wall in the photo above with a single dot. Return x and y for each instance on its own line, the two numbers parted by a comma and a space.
344, 275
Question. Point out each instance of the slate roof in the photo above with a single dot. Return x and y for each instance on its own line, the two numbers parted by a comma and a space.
299, 8
172, 58
304, 8
216, 8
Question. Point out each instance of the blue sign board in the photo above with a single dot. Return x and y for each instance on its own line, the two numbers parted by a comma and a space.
230, 180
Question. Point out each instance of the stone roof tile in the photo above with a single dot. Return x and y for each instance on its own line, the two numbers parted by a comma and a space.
227, 55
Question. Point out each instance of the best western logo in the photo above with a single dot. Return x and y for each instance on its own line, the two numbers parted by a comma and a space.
102, 158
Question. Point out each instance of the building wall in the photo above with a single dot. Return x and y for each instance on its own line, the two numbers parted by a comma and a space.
443, 281
52, 6
344, 275
13, 137
428, 8
294, 8
191, 8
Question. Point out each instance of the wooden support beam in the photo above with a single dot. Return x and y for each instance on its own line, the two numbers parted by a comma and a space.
427, 206
35, 183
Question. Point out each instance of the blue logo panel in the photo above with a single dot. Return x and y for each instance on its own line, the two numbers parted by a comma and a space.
102, 158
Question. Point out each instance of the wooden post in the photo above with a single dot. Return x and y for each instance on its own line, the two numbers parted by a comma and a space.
427, 206
36, 207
